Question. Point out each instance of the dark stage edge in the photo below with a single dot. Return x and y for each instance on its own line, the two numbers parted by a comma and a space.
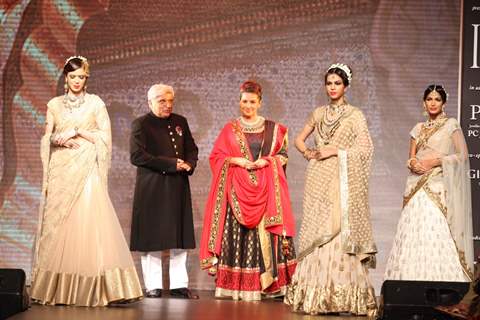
207, 307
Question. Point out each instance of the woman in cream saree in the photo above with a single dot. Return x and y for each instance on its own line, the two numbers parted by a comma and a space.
434, 234
81, 256
335, 244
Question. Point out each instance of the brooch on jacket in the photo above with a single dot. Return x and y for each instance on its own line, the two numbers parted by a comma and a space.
179, 130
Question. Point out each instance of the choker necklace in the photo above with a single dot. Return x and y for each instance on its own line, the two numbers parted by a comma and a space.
252, 127
72, 102
334, 113
437, 122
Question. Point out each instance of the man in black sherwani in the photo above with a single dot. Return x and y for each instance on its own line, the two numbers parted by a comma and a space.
163, 149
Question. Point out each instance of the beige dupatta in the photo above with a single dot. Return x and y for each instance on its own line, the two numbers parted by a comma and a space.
448, 144
66, 170
336, 190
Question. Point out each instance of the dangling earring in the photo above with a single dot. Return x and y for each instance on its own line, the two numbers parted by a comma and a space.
425, 113
65, 86
443, 109
85, 88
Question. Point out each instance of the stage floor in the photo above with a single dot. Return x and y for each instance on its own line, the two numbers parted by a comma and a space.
207, 307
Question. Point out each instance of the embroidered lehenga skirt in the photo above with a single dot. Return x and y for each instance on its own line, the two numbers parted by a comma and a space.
329, 281
88, 262
245, 258
423, 248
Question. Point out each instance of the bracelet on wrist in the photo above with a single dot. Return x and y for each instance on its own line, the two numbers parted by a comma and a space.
53, 139
307, 153
409, 162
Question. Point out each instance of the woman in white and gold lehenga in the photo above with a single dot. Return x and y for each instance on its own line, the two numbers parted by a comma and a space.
336, 244
434, 235
81, 256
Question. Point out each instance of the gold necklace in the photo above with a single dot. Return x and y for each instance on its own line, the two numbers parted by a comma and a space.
252, 127
437, 122
328, 127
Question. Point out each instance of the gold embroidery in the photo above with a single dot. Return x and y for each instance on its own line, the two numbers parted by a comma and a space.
266, 278
274, 139
278, 218
238, 294
280, 265
208, 262
463, 262
283, 150
325, 213
364, 247
436, 198
317, 243
420, 184
338, 298
218, 206
62, 181
237, 211
82, 290
237, 129
283, 160
426, 133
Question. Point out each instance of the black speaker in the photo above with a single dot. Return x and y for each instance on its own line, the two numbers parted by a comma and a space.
13, 296
415, 300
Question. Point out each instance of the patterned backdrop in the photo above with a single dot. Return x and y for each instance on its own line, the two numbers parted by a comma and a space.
206, 49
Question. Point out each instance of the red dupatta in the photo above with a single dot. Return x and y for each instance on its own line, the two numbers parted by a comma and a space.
252, 195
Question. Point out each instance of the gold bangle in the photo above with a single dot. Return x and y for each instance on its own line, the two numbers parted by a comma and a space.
307, 153
409, 162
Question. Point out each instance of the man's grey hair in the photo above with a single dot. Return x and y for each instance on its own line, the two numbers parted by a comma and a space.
159, 89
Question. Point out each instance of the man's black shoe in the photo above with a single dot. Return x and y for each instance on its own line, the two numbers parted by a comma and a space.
155, 293
183, 293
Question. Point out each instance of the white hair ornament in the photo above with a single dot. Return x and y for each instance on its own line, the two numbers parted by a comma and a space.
344, 68
73, 57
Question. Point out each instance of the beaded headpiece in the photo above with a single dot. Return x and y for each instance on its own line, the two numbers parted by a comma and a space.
344, 68
73, 57
435, 86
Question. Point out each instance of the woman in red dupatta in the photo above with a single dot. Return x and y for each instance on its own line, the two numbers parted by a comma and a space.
248, 224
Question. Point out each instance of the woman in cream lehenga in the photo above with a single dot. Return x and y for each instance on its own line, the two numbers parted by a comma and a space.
335, 243
434, 234
81, 256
